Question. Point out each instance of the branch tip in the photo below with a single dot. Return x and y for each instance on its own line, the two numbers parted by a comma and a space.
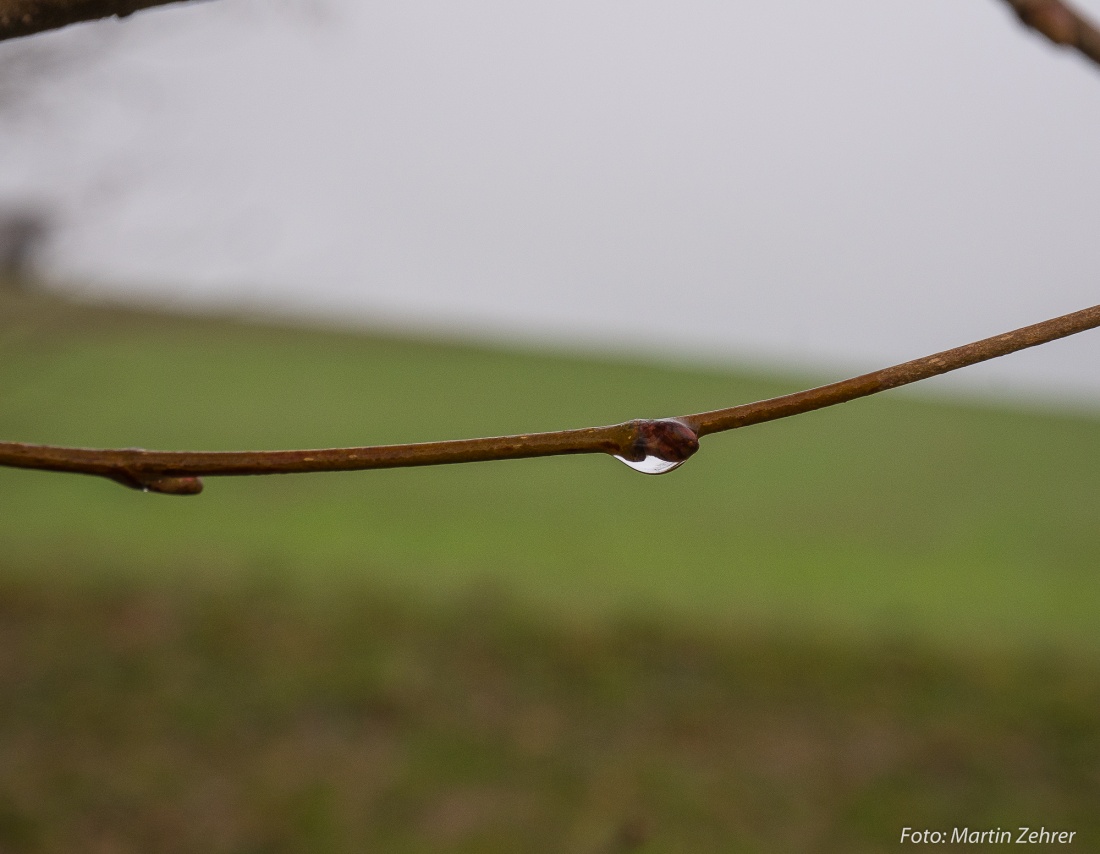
1061, 23
1050, 18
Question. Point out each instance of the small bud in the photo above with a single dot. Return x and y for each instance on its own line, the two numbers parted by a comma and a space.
174, 485
164, 484
667, 439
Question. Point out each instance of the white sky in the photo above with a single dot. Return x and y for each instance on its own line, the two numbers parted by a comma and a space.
847, 184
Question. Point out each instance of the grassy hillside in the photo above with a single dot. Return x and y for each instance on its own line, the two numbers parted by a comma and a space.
243, 721
814, 634
936, 520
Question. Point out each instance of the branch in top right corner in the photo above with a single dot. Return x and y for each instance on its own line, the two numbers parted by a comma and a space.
1060, 23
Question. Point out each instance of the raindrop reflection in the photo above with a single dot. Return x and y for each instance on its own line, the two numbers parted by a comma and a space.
651, 465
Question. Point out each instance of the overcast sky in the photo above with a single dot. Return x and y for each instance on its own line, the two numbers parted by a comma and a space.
843, 185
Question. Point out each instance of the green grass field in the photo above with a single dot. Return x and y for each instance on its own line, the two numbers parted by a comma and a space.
242, 721
814, 633
890, 514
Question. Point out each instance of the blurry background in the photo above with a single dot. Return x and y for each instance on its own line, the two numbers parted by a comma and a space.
844, 185
262, 225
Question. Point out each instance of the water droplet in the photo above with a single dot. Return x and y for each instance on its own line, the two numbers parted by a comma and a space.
651, 465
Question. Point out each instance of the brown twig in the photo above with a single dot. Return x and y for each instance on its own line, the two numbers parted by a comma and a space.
1060, 23
26, 17
898, 375
670, 439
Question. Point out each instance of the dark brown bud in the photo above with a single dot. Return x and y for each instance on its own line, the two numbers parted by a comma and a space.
174, 485
667, 439
164, 484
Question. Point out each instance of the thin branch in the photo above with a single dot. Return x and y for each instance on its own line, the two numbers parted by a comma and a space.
1060, 23
669, 439
898, 375
26, 17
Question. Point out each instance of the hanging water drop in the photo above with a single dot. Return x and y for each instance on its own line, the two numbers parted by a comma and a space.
651, 465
